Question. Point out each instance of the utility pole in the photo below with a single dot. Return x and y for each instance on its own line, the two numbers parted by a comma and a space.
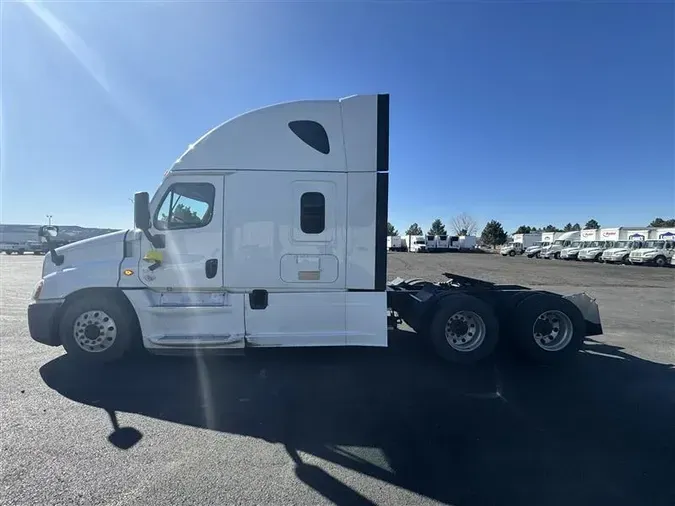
49, 217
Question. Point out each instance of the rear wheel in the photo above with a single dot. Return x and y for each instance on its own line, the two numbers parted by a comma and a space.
547, 328
464, 329
98, 328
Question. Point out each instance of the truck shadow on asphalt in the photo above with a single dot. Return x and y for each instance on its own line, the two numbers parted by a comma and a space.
596, 431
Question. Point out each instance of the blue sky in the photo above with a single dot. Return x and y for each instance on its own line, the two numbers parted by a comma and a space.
528, 113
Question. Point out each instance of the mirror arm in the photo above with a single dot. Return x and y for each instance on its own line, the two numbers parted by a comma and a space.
56, 258
157, 240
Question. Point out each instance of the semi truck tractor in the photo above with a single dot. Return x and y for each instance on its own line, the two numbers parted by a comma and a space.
562, 241
197, 275
417, 244
519, 243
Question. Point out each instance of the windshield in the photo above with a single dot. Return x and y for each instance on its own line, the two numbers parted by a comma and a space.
575, 244
655, 244
546, 243
621, 244
635, 244
559, 242
419, 241
593, 244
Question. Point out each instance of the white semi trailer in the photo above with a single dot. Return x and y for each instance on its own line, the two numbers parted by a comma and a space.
206, 282
396, 243
626, 240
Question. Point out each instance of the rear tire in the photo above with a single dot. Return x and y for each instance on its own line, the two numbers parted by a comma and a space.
464, 329
98, 328
547, 328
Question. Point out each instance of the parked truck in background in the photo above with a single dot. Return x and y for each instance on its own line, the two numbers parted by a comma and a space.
467, 242
658, 252
536, 249
560, 242
626, 239
417, 244
594, 250
571, 252
519, 243
211, 282
396, 243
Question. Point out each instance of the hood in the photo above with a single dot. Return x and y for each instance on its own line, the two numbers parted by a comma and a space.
645, 250
616, 250
532, 248
96, 249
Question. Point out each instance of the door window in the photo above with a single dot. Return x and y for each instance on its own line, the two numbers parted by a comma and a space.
185, 205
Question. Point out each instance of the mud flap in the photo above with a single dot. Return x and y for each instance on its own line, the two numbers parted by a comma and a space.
590, 311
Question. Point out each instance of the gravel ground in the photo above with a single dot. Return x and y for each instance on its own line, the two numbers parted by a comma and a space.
388, 427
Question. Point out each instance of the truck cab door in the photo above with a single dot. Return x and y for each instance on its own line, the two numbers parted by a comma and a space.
188, 303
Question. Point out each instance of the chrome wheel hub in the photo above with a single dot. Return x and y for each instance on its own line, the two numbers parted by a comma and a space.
94, 331
552, 330
465, 331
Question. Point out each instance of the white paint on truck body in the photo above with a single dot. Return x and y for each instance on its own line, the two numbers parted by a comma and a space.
289, 199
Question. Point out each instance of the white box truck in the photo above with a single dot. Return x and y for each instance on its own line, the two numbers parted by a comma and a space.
536, 249
202, 277
519, 243
562, 241
396, 243
571, 252
658, 252
627, 239
467, 242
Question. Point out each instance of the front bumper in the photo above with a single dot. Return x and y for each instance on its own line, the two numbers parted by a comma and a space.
641, 260
42, 323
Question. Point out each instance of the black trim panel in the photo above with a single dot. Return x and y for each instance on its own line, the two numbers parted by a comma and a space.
42, 324
382, 163
381, 207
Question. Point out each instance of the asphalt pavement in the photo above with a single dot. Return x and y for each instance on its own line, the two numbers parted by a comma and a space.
389, 426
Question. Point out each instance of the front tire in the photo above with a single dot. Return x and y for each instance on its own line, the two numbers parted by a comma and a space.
512, 253
660, 261
547, 328
464, 329
97, 328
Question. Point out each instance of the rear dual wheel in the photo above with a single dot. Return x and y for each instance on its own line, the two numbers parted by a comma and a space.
464, 329
546, 328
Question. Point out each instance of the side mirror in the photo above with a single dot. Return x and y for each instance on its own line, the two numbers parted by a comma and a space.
142, 210
48, 231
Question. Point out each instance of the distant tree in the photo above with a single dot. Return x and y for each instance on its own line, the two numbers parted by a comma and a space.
463, 224
523, 229
391, 230
550, 228
567, 228
591, 224
182, 214
437, 228
660, 222
414, 229
493, 234
576, 227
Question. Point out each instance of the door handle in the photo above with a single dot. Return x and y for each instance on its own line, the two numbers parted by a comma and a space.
211, 267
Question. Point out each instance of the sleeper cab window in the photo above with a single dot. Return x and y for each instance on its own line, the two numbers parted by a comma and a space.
312, 212
185, 205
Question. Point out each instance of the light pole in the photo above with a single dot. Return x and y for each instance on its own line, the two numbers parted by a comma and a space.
49, 217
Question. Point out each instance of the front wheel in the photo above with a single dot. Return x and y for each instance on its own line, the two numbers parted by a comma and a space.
464, 329
512, 253
556, 256
660, 261
547, 328
97, 328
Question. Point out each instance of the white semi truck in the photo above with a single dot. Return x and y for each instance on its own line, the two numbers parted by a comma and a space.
562, 241
658, 251
198, 275
571, 251
519, 243
417, 244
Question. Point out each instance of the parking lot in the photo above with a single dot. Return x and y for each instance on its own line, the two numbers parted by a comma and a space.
372, 426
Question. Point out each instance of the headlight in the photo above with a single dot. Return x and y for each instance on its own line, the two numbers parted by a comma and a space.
649, 254
37, 290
